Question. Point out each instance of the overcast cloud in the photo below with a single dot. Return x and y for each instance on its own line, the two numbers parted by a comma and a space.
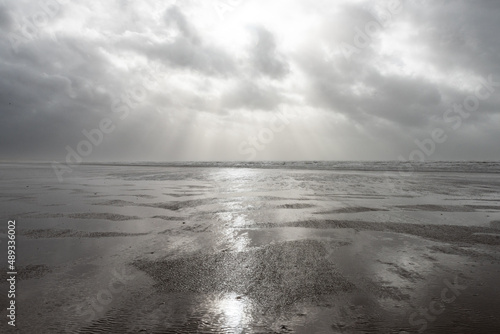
218, 80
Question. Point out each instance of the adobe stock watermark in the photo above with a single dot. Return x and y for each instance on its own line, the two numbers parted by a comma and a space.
90, 308
449, 294
453, 116
30, 27
122, 106
253, 144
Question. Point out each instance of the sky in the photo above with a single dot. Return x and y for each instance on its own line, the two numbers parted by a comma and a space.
124, 80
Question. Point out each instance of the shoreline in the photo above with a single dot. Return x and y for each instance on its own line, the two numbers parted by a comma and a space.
219, 250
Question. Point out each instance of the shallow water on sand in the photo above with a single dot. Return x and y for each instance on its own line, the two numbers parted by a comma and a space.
170, 249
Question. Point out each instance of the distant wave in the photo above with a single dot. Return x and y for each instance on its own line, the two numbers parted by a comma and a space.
428, 166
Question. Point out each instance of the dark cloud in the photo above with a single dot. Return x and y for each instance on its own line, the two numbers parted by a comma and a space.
183, 47
249, 95
174, 16
194, 88
184, 54
265, 56
5, 18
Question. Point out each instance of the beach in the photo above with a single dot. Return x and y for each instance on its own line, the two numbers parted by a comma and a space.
253, 248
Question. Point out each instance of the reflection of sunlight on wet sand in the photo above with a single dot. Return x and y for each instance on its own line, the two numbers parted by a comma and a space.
239, 173
234, 219
235, 183
233, 310
230, 312
234, 180
241, 220
241, 242
249, 183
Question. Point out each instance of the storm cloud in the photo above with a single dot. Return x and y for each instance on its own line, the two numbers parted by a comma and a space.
202, 80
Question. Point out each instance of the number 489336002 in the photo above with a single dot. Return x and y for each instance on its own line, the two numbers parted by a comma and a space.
11, 248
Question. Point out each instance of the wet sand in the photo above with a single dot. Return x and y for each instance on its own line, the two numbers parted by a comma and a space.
150, 249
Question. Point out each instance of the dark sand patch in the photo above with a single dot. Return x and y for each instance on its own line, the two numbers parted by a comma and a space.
389, 292
21, 198
433, 207
27, 272
184, 195
364, 196
446, 233
119, 202
177, 205
495, 224
429, 257
484, 207
461, 251
85, 215
55, 233
275, 198
185, 228
353, 209
169, 218
448, 208
196, 228
493, 238
42, 215
143, 196
199, 186
170, 231
116, 202
277, 276
176, 231
99, 215
295, 206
